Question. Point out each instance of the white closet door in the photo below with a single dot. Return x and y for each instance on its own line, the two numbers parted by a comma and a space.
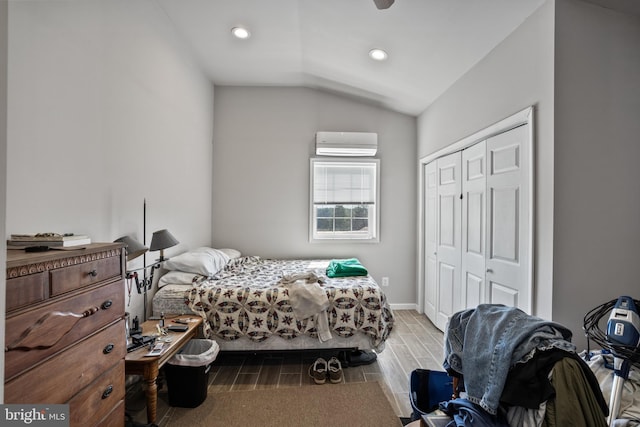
472, 269
448, 238
508, 219
430, 242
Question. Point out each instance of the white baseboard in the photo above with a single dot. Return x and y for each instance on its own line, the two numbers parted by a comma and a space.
407, 306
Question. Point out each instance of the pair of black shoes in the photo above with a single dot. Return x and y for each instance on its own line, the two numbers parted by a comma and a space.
358, 358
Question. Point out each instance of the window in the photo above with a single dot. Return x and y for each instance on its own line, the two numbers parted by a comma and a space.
344, 199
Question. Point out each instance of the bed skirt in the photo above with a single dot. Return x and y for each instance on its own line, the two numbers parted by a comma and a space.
170, 301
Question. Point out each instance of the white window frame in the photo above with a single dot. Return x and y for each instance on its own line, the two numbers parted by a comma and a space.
373, 235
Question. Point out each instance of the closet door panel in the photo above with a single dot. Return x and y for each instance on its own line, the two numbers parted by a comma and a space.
505, 224
448, 235
508, 257
503, 295
474, 289
431, 245
446, 306
448, 221
473, 249
473, 223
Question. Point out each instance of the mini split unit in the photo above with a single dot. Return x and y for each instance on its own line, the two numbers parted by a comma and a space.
351, 144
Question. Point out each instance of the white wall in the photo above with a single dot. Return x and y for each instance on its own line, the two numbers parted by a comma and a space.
106, 108
597, 127
263, 139
516, 74
3, 173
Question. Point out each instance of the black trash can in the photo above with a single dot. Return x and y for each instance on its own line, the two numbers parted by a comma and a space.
187, 373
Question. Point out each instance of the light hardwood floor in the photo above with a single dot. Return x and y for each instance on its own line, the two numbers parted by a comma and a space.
413, 343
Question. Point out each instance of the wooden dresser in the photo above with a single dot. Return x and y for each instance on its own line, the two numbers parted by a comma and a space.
65, 334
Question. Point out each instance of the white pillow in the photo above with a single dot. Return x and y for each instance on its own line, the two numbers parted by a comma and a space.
178, 278
232, 253
205, 261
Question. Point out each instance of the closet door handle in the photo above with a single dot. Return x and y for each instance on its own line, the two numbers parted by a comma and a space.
489, 270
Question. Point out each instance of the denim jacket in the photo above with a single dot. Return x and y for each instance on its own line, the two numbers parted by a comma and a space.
483, 343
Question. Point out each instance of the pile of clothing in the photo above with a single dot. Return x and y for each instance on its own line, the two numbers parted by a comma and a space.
518, 370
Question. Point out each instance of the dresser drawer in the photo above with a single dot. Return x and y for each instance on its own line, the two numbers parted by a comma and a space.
96, 400
60, 378
77, 276
43, 332
26, 290
114, 419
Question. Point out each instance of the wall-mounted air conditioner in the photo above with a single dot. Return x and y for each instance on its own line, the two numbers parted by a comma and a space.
346, 144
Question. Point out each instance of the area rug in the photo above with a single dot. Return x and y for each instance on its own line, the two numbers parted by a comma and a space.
335, 405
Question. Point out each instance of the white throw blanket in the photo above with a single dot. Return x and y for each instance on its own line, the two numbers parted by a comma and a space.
309, 300
629, 413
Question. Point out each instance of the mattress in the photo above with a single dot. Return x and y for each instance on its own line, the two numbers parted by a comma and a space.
171, 300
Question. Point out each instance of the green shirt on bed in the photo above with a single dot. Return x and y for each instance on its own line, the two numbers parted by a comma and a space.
346, 267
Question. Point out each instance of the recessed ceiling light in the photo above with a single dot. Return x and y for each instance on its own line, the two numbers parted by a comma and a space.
378, 54
240, 32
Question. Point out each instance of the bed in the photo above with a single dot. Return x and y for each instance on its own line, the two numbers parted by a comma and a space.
247, 306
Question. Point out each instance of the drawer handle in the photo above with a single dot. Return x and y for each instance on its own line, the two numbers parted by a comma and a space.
90, 311
108, 303
93, 273
107, 391
108, 348
46, 331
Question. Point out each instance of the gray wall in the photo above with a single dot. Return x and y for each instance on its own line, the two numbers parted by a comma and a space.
106, 108
263, 140
597, 132
3, 172
516, 74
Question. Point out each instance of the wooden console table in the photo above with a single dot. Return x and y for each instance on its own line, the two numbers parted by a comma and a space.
136, 363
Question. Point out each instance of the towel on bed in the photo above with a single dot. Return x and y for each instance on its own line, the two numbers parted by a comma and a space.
345, 268
309, 300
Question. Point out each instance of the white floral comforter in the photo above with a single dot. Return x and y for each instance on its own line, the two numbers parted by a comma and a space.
245, 299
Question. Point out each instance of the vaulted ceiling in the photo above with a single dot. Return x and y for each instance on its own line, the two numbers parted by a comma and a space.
325, 44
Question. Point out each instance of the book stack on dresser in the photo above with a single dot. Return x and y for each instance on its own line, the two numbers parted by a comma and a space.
65, 336
48, 240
